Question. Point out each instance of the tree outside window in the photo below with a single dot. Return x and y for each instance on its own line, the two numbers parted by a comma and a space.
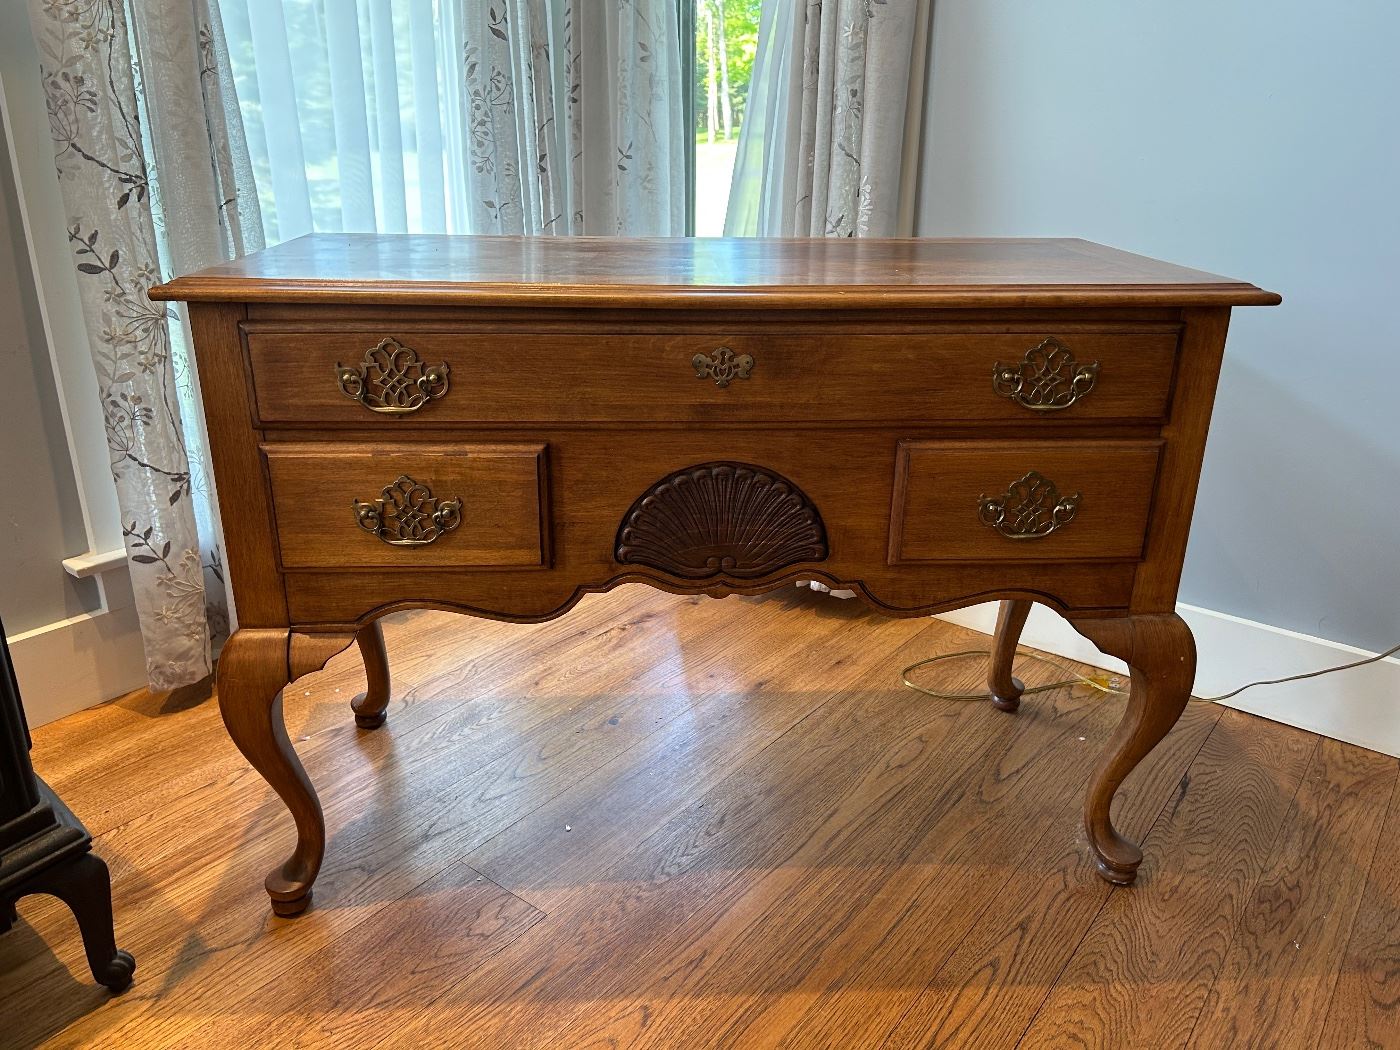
726, 40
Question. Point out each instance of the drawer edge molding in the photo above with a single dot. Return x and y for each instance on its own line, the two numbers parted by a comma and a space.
699, 375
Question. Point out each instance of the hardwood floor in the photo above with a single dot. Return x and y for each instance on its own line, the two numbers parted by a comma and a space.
680, 822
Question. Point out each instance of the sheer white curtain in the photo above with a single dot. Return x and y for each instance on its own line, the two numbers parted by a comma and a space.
353, 113
831, 125
462, 116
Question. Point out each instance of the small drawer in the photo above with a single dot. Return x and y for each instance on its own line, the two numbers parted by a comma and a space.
1021, 500
410, 506
399, 375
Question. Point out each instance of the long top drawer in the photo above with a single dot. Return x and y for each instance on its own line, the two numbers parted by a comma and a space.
357, 375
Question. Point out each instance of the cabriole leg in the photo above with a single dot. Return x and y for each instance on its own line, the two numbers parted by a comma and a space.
1005, 689
369, 706
253, 670
1161, 654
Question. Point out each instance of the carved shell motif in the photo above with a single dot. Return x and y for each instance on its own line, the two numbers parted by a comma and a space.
721, 519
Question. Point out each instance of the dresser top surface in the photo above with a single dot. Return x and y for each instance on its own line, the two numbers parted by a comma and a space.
681, 271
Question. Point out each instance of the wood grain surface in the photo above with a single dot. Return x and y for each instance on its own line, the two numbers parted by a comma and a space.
316, 489
883, 391
828, 372
939, 486
699, 271
680, 822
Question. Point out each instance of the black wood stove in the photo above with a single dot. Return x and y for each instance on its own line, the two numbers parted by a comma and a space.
45, 849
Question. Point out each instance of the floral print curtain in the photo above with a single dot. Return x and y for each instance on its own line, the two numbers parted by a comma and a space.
822, 148
574, 124
575, 117
126, 228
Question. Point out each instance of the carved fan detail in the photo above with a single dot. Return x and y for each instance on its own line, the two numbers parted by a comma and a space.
721, 519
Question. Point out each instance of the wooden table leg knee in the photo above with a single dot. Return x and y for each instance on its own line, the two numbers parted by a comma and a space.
253, 670
1005, 688
1161, 656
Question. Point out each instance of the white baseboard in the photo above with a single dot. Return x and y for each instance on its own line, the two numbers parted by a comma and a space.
1360, 706
82, 661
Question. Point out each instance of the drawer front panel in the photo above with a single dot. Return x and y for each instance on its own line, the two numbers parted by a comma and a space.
1022, 501
399, 375
409, 506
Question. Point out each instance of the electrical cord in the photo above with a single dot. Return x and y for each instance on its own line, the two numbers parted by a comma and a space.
1105, 682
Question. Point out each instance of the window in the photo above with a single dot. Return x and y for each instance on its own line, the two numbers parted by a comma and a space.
725, 41
356, 120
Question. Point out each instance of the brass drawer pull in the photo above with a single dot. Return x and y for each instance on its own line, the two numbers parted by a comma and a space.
1029, 510
407, 514
392, 379
723, 367
1047, 380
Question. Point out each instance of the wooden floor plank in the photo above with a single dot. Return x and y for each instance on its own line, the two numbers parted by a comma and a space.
212, 842
988, 986
385, 841
1292, 936
384, 972
917, 807
605, 813
868, 915
103, 771
701, 823
1129, 982
693, 865
1365, 1007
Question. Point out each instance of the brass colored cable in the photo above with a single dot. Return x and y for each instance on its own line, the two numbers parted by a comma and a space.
1102, 682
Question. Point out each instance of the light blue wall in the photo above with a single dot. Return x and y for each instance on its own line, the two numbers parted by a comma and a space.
41, 521
1255, 139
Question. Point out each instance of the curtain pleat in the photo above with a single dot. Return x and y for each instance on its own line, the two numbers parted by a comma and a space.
463, 116
822, 147
429, 158
575, 120
354, 164
277, 110
353, 110
388, 119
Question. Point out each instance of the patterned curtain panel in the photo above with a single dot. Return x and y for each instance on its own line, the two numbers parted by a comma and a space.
823, 145
126, 228
574, 117
512, 116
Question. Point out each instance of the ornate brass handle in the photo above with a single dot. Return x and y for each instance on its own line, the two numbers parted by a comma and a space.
407, 514
1030, 509
392, 379
725, 365
1048, 379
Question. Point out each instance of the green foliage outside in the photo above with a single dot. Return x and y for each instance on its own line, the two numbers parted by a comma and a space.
738, 21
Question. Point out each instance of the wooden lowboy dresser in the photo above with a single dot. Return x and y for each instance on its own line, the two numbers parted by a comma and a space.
499, 425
